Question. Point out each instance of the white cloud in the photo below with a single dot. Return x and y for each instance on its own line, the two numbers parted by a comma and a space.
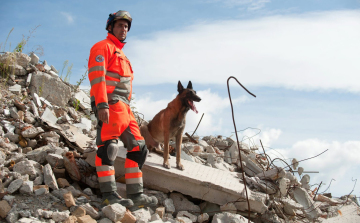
211, 104
68, 17
307, 51
251, 5
340, 162
252, 136
256, 5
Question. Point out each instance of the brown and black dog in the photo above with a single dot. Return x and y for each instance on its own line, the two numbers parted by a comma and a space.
169, 123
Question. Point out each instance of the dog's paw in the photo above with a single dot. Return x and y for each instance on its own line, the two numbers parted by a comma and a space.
180, 166
167, 165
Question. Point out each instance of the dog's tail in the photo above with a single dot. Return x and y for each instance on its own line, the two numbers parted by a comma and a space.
150, 142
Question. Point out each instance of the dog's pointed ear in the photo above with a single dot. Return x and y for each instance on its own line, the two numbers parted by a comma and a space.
180, 87
189, 85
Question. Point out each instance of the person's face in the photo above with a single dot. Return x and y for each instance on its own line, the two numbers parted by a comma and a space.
120, 29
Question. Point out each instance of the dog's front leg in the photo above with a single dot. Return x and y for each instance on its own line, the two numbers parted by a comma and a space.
178, 150
166, 148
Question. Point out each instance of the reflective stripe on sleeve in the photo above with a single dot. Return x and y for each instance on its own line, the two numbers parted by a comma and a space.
97, 80
96, 68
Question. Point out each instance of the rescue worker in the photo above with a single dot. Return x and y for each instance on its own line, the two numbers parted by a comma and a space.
111, 75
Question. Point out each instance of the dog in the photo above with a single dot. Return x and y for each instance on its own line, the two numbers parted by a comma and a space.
170, 123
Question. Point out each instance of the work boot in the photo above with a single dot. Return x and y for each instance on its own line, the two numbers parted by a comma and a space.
113, 197
142, 201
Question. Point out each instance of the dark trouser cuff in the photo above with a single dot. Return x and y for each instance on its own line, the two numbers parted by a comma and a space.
108, 186
134, 188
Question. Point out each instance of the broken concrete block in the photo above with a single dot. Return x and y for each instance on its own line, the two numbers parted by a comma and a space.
84, 99
4, 208
91, 211
13, 214
49, 177
16, 89
155, 217
229, 207
34, 59
169, 206
43, 100
71, 219
54, 69
290, 206
34, 108
161, 211
14, 113
52, 73
69, 199
328, 200
27, 187
210, 208
300, 170
181, 203
114, 212
7, 112
294, 164
257, 203
84, 124
305, 180
40, 191
227, 157
128, 217
60, 216
228, 217
105, 220
303, 198
142, 215
86, 219
272, 174
12, 137
73, 113
188, 215
14, 186
62, 182
56, 91
37, 155
48, 116
55, 160
79, 212
203, 218
28, 80
283, 186
37, 100
8, 126
9, 198
22, 59
32, 132
17, 70
47, 214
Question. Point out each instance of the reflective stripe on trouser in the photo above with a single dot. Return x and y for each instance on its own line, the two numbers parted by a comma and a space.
106, 176
122, 124
133, 177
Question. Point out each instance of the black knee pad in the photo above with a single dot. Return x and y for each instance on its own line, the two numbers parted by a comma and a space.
139, 156
108, 152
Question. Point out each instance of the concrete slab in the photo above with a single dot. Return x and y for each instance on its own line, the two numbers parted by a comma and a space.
198, 181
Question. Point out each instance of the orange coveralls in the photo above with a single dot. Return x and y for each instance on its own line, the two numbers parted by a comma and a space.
111, 75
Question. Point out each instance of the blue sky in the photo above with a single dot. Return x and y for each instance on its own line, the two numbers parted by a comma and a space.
300, 58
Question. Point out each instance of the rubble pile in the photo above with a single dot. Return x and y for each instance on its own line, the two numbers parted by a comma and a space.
47, 132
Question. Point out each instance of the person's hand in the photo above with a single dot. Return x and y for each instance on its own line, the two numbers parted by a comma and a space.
103, 114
